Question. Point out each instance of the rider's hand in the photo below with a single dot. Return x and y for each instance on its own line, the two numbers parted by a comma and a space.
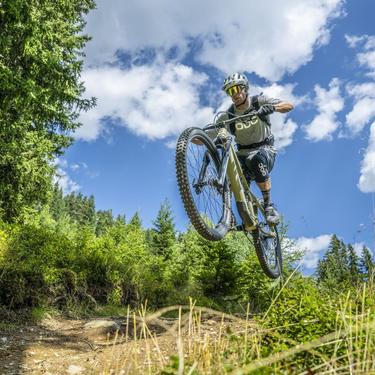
265, 110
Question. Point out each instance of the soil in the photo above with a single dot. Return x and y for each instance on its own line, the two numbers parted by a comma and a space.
64, 346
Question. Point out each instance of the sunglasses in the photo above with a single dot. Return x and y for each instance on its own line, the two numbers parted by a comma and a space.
235, 89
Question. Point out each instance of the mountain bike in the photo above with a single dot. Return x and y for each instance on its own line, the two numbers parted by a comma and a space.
208, 172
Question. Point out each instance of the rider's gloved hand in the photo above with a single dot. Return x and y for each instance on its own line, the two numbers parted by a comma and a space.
265, 110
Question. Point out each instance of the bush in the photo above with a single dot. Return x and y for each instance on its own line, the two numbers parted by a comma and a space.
303, 313
39, 266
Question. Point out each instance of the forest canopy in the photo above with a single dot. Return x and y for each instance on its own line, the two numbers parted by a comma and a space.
41, 95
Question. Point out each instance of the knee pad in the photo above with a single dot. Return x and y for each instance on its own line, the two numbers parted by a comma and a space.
259, 167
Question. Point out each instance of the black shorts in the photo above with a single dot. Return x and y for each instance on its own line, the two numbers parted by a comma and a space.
258, 167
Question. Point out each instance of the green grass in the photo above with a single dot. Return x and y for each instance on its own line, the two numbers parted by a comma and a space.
43, 312
304, 332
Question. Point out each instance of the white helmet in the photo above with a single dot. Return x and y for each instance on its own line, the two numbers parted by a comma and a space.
233, 80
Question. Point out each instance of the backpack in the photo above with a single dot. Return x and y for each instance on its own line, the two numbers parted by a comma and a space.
255, 104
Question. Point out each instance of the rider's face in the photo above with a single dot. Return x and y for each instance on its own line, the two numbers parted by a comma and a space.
239, 97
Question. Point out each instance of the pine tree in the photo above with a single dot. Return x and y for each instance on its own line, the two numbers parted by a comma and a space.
104, 221
210, 265
57, 206
70, 204
79, 209
353, 265
332, 269
118, 230
41, 95
164, 237
135, 222
367, 262
90, 211
343, 263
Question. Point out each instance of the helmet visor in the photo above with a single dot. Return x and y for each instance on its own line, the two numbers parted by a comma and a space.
235, 89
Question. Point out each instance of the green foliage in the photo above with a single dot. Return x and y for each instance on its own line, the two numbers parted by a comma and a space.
341, 268
40, 95
208, 266
40, 266
104, 221
302, 313
69, 254
367, 263
163, 236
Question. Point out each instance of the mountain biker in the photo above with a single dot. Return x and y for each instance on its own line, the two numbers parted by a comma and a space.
254, 137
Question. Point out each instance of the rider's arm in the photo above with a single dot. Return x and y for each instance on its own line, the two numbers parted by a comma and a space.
283, 106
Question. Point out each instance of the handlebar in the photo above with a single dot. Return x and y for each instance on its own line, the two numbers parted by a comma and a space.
222, 124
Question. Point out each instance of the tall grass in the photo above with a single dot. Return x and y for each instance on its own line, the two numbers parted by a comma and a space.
243, 346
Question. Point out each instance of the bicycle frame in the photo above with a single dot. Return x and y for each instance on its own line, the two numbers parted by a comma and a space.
240, 187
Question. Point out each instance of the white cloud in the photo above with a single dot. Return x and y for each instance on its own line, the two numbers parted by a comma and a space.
367, 59
367, 179
358, 248
93, 174
315, 246
171, 143
370, 43
269, 40
167, 103
281, 92
65, 182
276, 44
353, 41
362, 90
153, 101
155, 96
328, 103
61, 162
364, 94
363, 111
283, 131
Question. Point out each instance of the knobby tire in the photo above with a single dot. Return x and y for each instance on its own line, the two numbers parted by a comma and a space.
209, 211
268, 249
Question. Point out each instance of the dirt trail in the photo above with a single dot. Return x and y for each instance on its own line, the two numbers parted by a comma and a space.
66, 347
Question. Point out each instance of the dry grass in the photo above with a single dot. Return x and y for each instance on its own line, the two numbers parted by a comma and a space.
234, 347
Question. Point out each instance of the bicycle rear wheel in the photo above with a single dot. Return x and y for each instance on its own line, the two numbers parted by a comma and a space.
207, 205
268, 249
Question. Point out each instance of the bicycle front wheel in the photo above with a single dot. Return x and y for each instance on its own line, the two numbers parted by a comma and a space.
268, 248
207, 205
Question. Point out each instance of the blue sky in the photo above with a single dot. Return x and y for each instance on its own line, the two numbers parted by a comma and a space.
156, 68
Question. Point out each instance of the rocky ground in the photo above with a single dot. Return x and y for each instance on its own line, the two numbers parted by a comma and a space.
90, 346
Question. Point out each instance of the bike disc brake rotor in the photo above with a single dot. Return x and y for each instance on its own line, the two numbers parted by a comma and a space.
210, 176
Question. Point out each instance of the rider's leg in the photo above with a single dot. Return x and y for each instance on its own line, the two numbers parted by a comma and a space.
265, 188
261, 164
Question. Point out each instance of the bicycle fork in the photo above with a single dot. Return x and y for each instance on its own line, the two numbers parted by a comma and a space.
245, 211
217, 182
